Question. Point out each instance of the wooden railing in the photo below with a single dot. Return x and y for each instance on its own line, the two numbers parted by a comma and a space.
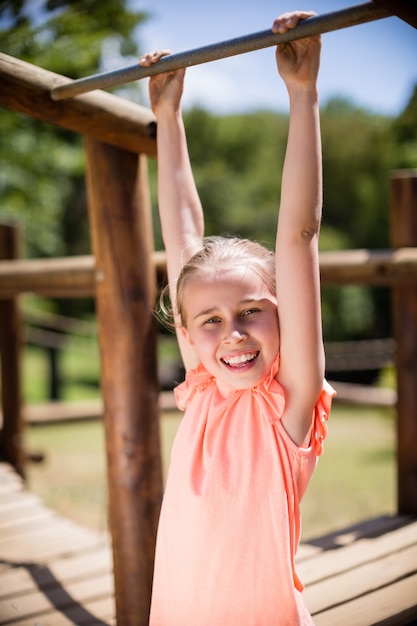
121, 276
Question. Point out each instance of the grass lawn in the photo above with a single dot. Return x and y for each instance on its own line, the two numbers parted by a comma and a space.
355, 478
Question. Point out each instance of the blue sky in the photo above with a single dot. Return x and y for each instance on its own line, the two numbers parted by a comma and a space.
374, 64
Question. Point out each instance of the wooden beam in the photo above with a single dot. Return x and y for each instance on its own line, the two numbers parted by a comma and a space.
11, 436
404, 9
74, 277
26, 88
403, 193
70, 277
119, 207
369, 267
66, 277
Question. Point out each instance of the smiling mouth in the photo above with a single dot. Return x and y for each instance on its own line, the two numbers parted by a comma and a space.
240, 360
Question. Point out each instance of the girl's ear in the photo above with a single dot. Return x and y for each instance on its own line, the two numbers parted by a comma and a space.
186, 335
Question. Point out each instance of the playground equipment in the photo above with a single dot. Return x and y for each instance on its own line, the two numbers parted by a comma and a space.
118, 138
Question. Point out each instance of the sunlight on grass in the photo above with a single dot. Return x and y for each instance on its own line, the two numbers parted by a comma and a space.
355, 478
72, 479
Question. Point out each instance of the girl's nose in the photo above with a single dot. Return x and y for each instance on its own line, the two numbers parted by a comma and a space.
235, 334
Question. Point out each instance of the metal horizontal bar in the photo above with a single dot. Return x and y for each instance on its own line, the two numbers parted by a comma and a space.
351, 16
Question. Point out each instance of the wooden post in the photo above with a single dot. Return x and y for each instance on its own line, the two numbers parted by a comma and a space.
11, 446
119, 208
404, 233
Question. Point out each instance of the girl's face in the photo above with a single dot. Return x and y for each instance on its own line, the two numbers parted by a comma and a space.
232, 322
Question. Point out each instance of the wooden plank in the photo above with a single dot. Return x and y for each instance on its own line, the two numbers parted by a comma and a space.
362, 580
26, 88
10, 483
56, 526
44, 551
98, 612
8, 487
60, 571
19, 508
367, 529
394, 605
13, 528
332, 562
374, 527
19, 500
35, 602
8, 474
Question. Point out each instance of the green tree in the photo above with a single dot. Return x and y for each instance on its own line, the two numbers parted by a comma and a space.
404, 129
357, 151
42, 166
232, 159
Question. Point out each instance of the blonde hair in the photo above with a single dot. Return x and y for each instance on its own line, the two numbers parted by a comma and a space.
219, 252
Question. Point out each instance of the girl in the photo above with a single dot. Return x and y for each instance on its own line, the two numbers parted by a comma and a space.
255, 399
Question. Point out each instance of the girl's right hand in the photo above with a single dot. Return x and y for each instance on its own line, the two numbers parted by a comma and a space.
164, 89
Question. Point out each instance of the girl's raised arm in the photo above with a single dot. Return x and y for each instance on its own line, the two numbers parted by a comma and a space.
180, 210
298, 282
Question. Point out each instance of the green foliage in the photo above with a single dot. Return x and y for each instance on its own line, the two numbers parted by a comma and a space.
231, 159
404, 128
67, 36
42, 166
357, 158
348, 313
40, 176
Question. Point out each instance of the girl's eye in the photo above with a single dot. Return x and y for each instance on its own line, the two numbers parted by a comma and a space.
249, 312
213, 320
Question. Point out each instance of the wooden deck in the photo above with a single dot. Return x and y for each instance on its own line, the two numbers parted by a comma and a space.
53, 572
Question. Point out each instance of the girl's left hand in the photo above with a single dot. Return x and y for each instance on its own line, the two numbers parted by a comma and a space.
298, 61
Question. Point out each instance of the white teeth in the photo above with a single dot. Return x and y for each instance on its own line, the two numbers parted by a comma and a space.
242, 358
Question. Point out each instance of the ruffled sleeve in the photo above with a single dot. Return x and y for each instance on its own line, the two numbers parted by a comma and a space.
321, 417
196, 379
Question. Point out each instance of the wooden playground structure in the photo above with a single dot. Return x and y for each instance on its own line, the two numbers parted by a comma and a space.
54, 573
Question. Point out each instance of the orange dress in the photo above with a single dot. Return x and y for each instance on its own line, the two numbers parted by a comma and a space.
230, 520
